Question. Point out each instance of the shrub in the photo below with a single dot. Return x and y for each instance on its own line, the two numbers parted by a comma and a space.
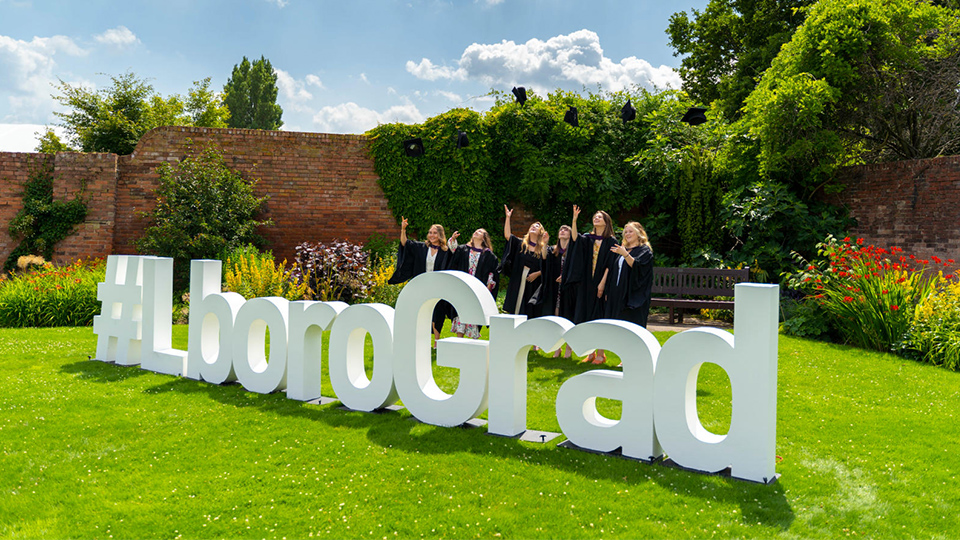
869, 293
51, 296
934, 334
203, 209
253, 274
380, 291
335, 271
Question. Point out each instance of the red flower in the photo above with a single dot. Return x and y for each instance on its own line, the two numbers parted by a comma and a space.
951, 261
901, 280
885, 291
894, 307
848, 299
936, 259
847, 239
811, 267
859, 241
949, 276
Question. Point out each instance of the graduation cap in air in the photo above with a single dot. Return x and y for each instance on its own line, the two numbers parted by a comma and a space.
628, 113
694, 116
413, 147
520, 93
572, 117
462, 140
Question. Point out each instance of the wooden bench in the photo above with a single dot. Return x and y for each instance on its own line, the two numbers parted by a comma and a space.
684, 282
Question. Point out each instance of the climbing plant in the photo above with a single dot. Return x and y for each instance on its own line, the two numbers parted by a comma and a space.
43, 222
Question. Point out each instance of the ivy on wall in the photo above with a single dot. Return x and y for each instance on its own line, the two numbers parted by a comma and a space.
43, 222
528, 155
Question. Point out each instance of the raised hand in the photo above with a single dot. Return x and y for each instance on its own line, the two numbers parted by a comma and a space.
403, 222
508, 212
576, 212
455, 235
620, 250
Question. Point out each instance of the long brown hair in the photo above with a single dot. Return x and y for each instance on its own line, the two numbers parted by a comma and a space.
562, 227
485, 243
442, 234
607, 224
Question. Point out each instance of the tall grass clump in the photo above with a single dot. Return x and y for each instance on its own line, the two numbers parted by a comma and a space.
51, 296
868, 294
252, 274
335, 271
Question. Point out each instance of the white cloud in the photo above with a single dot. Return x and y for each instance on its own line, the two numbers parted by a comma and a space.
450, 95
428, 71
352, 118
291, 88
488, 2
23, 137
280, 3
120, 37
313, 80
564, 61
363, 77
28, 75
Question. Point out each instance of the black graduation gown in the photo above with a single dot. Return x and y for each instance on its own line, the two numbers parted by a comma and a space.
411, 262
515, 260
628, 298
487, 265
553, 294
589, 307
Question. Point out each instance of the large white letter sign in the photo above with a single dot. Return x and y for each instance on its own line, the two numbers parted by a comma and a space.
157, 352
411, 353
750, 359
511, 337
250, 363
308, 321
209, 343
347, 374
577, 398
119, 325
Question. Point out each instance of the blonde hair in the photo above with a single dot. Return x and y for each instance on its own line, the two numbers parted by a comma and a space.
541, 249
443, 235
641, 233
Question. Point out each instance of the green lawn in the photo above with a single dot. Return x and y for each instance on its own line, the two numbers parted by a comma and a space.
870, 447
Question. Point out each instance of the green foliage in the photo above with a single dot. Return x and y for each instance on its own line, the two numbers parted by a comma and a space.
858, 78
251, 96
43, 222
203, 209
869, 293
729, 44
50, 143
51, 296
113, 119
252, 274
934, 333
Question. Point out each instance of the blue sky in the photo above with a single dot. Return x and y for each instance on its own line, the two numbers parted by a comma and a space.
343, 66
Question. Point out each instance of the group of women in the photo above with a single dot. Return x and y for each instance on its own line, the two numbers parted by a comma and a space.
582, 277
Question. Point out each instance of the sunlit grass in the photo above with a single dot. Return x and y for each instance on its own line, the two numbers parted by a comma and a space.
868, 445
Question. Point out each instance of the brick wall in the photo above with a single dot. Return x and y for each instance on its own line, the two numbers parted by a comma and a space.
324, 186
914, 205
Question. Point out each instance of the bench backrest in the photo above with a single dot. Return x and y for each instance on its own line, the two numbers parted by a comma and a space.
697, 281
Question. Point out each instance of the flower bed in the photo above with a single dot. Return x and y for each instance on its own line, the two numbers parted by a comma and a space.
52, 296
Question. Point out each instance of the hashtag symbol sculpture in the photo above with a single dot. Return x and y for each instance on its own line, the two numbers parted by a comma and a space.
119, 325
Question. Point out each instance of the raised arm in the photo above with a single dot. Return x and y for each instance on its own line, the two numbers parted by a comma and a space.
506, 222
403, 231
573, 224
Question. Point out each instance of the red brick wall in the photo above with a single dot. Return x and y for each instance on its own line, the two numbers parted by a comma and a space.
324, 186
914, 205
320, 186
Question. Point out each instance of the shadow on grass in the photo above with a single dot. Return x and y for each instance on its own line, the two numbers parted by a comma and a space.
759, 504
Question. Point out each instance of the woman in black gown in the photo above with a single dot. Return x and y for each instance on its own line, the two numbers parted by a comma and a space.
630, 279
415, 258
522, 261
590, 269
478, 260
559, 294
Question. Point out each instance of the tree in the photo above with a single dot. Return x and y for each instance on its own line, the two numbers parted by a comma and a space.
50, 143
113, 119
203, 209
729, 45
251, 96
863, 79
